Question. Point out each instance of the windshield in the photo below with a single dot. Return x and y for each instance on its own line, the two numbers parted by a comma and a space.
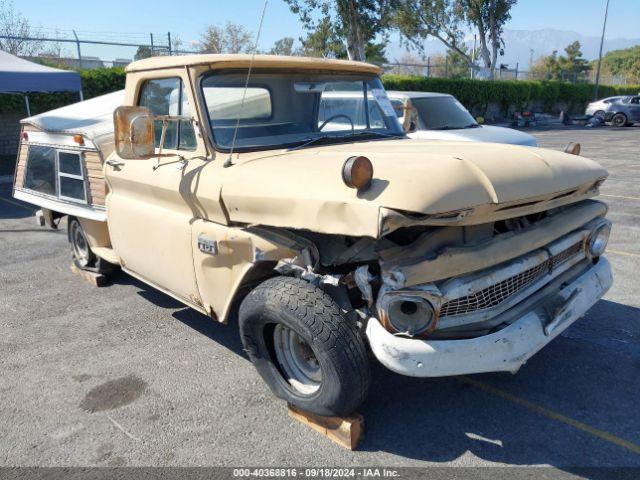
285, 109
442, 113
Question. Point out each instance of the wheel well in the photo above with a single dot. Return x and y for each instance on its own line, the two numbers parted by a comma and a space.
260, 272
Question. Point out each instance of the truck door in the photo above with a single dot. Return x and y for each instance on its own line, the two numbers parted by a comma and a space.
151, 202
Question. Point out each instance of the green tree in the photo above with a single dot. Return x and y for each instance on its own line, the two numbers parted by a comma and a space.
573, 64
14, 24
457, 65
284, 46
376, 52
623, 63
356, 23
323, 41
142, 52
560, 67
447, 20
231, 38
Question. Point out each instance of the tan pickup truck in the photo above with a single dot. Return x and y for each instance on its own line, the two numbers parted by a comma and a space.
247, 181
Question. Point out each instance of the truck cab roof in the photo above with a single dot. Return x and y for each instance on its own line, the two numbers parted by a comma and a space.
259, 61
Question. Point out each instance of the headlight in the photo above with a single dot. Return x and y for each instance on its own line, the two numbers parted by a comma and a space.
411, 316
598, 239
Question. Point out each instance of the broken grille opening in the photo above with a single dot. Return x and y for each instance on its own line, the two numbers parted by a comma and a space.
494, 295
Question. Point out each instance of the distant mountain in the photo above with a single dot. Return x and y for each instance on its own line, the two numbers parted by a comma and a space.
519, 43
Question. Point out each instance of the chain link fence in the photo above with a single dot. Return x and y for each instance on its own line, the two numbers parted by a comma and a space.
68, 48
447, 69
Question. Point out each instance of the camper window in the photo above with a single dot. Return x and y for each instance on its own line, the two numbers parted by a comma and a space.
56, 173
70, 176
41, 170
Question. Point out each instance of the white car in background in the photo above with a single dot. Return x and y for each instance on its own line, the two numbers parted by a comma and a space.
439, 116
600, 107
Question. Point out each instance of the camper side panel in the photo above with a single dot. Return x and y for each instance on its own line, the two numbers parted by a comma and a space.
66, 176
95, 177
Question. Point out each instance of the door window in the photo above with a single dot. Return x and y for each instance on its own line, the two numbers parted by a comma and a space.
167, 96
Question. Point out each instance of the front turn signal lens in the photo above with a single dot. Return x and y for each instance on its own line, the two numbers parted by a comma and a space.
572, 148
357, 172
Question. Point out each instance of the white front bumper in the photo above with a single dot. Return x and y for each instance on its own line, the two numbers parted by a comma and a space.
505, 350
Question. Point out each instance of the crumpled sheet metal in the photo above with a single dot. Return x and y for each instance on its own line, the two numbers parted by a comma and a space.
301, 266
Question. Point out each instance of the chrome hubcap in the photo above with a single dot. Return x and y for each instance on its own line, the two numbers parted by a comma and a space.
297, 360
80, 246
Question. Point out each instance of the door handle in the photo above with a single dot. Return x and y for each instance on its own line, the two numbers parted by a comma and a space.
114, 163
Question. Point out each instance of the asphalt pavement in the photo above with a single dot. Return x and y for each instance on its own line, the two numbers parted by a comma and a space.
126, 376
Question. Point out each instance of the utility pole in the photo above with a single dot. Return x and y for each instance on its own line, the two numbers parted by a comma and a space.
530, 59
78, 48
604, 26
81, 93
169, 42
152, 49
473, 56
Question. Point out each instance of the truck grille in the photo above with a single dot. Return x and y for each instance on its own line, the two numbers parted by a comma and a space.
495, 294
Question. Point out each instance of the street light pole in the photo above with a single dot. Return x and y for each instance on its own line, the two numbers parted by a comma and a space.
604, 26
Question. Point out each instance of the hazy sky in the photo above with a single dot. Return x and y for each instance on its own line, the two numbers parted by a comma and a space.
186, 19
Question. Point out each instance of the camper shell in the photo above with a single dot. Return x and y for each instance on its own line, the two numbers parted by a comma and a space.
61, 156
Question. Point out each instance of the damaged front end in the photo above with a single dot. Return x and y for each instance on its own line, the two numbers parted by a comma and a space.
454, 298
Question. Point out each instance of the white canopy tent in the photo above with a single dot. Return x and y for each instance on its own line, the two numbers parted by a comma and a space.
23, 77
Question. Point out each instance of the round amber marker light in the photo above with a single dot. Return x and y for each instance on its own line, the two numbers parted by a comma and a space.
357, 172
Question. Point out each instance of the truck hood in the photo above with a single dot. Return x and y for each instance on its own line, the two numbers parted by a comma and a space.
304, 188
483, 133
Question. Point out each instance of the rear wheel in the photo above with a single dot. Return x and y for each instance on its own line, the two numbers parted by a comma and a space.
83, 256
304, 348
619, 120
82, 253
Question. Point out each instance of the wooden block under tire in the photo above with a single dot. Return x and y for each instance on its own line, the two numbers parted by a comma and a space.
95, 279
345, 431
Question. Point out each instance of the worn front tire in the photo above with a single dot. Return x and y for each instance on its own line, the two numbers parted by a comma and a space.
304, 348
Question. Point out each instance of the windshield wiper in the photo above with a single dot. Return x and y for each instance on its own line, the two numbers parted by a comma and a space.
310, 141
449, 127
363, 133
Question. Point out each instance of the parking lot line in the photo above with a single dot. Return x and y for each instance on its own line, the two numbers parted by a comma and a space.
546, 412
620, 196
618, 252
11, 202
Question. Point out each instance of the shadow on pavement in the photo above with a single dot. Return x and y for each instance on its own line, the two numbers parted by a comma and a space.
225, 335
589, 374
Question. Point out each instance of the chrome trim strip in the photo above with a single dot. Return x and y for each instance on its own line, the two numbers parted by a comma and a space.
92, 213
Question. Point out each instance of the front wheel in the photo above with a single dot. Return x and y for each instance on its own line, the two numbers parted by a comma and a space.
304, 348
